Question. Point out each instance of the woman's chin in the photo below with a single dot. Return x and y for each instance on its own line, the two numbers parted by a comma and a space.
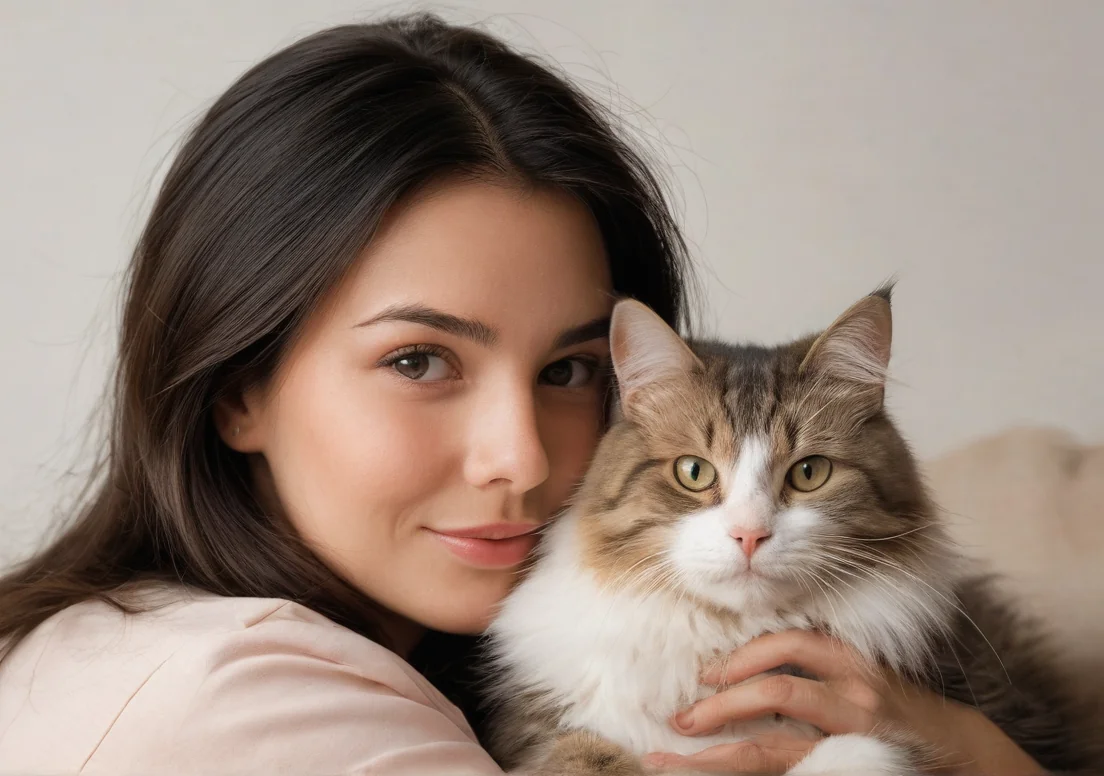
471, 608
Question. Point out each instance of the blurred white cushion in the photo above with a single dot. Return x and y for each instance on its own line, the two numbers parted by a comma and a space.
1029, 505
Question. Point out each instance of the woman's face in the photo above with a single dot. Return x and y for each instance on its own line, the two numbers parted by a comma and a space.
447, 398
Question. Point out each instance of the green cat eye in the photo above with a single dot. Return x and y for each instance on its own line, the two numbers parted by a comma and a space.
810, 473
694, 473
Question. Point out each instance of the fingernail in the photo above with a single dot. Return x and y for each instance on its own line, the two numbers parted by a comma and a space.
663, 762
685, 719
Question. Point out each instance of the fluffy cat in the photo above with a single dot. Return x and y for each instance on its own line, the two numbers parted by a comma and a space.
744, 490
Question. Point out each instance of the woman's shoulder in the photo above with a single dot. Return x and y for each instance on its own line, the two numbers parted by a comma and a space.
188, 626
192, 680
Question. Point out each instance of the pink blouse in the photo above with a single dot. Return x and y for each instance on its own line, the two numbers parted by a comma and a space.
210, 685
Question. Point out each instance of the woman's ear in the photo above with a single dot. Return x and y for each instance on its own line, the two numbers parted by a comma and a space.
239, 419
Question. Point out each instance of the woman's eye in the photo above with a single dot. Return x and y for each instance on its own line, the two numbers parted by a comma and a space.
423, 367
567, 373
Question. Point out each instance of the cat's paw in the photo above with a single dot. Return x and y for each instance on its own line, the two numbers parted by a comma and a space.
855, 755
581, 753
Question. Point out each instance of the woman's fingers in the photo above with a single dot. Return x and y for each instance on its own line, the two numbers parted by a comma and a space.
806, 700
815, 653
767, 754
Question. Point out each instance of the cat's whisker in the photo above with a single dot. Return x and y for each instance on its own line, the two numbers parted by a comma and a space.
944, 628
912, 552
829, 592
928, 647
812, 391
651, 579
865, 539
833, 400
646, 581
657, 583
858, 621
874, 570
844, 600
621, 577
661, 575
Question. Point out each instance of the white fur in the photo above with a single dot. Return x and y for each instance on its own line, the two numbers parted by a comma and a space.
749, 476
853, 755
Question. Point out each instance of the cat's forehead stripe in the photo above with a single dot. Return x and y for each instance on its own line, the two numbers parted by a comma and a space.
752, 394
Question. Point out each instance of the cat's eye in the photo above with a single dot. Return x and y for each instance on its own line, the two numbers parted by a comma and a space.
694, 473
810, 473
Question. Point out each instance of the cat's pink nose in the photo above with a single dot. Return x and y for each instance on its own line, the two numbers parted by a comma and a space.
750, 539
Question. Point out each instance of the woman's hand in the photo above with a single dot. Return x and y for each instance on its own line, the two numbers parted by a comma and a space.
847, 696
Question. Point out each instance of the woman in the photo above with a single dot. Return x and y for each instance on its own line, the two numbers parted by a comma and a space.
361, 360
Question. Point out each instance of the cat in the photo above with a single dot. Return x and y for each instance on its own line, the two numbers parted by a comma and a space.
744, 490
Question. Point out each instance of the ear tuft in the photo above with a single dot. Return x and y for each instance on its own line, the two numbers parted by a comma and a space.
856, 347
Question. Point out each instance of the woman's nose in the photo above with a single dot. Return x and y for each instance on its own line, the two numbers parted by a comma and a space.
505, 446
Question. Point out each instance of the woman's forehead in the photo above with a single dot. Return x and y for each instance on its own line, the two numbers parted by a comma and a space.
487, 252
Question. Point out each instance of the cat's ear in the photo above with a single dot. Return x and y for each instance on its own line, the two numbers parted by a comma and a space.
645, 350
856, 347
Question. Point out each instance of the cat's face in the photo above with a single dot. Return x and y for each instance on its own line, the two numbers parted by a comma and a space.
749, 476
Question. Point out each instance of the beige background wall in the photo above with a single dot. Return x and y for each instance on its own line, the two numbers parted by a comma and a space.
817, 148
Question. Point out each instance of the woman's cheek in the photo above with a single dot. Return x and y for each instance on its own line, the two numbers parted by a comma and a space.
355, 443
405, 442
572, 434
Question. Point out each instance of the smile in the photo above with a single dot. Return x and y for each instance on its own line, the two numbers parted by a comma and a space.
495, 546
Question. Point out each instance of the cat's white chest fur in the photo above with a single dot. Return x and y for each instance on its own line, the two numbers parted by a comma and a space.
620, 663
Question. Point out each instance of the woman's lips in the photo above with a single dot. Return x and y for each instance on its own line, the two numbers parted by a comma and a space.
497, 545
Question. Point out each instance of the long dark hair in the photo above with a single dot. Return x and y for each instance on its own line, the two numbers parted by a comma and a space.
273, 195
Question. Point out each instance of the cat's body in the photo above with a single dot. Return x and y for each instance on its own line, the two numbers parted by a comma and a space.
656, 572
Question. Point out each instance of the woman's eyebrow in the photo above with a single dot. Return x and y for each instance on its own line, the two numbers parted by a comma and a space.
596, 329
477, 331
468, 328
